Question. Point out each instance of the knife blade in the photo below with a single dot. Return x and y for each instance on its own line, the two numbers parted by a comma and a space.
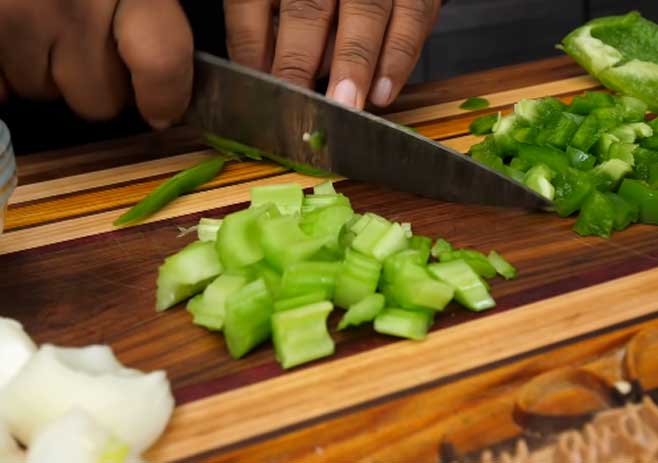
259, 110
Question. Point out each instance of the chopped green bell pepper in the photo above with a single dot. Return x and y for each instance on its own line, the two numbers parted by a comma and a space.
572, 187
579, 159
484, 125
597, 216
539, 179
585, 104
639, 193
625, 213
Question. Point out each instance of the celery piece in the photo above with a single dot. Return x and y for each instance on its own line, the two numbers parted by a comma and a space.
357, 278
300, 335
247, 322
394, 240
186, 273
440, 247
414, 288
327, 223
502, 266
208, 228
283, 242
634, 109
422, 244
410, 324
477, 261
624, 152
363, 311
238, 240
209, 309
303, 277
374, 230
318, 201
469, 289
299, 301
286, 197
324, 188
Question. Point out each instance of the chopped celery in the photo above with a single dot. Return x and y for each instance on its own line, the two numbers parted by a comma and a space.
441, 246
469, 289
319, 201
299, 301
324, 188
209, 308
363, 311
357, 278
283, 242
300, 335
414, 288
304, 277
394, 263
247, 321
286, 197
394, 240
186, 273
422, 244
327, 222
502, 266
410, 324
238, 239
208, 228
478, 261
373, 231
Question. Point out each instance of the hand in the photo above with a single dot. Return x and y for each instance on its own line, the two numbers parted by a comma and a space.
97, 53
377, 42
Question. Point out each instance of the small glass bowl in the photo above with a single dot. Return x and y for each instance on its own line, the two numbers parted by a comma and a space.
8, 177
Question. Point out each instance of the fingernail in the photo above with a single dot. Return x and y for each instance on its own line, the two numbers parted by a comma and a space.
381, 93
345, 93
159, 124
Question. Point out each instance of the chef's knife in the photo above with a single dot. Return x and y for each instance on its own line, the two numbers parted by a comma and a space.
264, 112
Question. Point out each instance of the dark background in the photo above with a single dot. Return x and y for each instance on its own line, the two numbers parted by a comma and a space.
471, 35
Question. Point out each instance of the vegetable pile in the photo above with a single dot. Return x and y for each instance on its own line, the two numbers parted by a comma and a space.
278, 268
597, 156
75, 405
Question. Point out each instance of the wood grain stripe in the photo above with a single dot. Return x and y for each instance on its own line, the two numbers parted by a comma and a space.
107, 177
20, 216
438, 111
246, 413
102, 222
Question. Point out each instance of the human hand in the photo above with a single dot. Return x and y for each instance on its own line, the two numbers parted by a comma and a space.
97, 54
377, 42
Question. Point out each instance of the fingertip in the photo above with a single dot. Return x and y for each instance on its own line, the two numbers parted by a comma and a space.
382, 92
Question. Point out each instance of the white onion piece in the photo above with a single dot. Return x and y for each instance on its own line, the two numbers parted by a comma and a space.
9, 451
16, 348
77, 438
131, 405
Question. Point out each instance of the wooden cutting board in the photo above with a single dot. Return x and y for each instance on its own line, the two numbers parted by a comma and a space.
72, 279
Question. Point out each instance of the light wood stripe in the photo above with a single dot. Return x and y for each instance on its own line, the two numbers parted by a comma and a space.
102, 222
255, 410
107, 177
433, 112
95, 201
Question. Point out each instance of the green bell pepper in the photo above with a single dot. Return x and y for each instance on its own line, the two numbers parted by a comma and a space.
597, 216
639, 193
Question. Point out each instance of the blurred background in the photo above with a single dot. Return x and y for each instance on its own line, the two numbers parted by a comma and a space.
471, 35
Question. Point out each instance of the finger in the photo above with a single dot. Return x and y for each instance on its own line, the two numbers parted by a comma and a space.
410, 24
249, 33
361, 28
25, 52
158, 49
304, 27
325, 65
86, 66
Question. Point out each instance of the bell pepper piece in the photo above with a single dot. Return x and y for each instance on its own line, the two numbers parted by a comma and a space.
502, 266
304, 277
414, 288
560, 133
653, 176
422, 244
634, 109
300, 335
526, 135
286, 197
441, 246
597, 216
603, 145
475, 104
207, 229
644, 158
477, 261
363, 311
487, 153
621, 52
607, 175
579, 159
209, 309
553, 158
623, 152
596, 124
503, 134
284, 243
639, 193
521, 165
539, 179
469, 289
410, 324
585, 104
484, 125
186, 273
247, 321
357, 278
540, 113
238, 239
625, 213
572, 187
650, 143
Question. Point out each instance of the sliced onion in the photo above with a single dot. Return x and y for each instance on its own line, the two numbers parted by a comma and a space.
9, 451
16, 348
131, 405
76, 438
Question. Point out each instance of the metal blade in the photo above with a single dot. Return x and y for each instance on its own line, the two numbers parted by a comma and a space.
258, 110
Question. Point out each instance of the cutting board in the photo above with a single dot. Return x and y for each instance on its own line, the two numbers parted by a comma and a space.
72, 279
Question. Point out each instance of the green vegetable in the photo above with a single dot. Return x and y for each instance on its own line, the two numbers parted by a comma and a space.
238, 239
597, 217
585, 104
363, 311
300, 335
299, 301
186, 273
307, 277
414, 288
357, 278
287, 197
410, 324
208, 228
441, 246
572, 187
316, 140
423, 245
209, 308
283, 242
645, 198
579, 159
504, 268
539, 179
469, 289
625, 213
180, 184
620, 51
475, 104
325, 188
484, 124
475, 259
247, 322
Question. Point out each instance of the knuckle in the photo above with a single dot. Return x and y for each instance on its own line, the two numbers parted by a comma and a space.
405, 45
355, 51
371, 9
244, 45
418, 11
147, 57
296, 66
308, 10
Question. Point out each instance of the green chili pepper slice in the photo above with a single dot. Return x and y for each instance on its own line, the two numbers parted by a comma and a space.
181, 183
475, 103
